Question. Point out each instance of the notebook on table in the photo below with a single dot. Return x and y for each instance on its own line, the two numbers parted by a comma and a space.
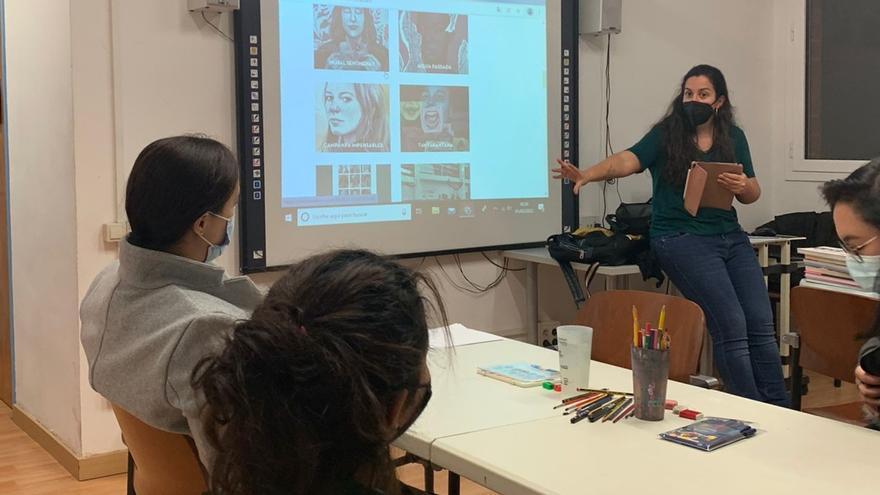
710, 434
520, 374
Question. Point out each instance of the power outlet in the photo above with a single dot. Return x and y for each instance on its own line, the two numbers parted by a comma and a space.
547, 332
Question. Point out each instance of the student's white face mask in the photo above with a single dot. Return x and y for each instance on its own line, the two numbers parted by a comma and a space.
864, 272
215, 250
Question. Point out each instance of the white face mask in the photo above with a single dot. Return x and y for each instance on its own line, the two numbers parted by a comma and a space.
215, 250
864, 272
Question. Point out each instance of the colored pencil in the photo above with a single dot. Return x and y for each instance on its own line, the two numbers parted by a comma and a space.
635, 326
662, 324
626, 413
603, 391
620, 405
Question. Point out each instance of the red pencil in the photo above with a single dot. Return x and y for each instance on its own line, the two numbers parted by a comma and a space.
629, 410
583, 404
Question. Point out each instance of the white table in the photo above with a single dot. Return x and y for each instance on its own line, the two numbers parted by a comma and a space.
615, 274
762, 244
464, 401
794, 454
510, 440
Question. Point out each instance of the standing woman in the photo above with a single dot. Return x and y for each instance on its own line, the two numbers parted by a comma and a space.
708, 257
855, 203
148, 318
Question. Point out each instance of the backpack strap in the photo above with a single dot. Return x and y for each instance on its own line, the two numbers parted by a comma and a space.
574, 285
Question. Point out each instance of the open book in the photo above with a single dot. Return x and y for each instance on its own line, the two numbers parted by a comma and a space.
702, 190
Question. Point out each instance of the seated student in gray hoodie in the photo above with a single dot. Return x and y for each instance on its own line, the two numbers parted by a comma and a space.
148, 318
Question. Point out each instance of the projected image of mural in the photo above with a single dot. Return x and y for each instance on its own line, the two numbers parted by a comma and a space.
434, 118
433, 43
423, 182
352, 117
350, 38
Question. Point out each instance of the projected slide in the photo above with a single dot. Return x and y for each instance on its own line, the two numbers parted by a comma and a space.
396, 115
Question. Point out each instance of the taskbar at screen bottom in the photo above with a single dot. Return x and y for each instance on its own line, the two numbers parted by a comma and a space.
420, 211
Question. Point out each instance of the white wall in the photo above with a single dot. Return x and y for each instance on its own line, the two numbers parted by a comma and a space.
144, 70
43, 214
93, 116
660, 41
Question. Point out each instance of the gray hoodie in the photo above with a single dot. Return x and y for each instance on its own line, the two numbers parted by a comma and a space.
147, 320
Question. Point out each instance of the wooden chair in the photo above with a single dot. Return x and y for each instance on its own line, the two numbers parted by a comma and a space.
826, 328
160, 463
609, 314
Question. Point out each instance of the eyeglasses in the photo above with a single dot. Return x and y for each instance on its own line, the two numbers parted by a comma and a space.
855, 252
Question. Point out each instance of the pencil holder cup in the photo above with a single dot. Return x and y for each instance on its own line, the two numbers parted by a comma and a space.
650, 368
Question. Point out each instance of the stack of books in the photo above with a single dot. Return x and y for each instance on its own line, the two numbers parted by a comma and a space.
826, 269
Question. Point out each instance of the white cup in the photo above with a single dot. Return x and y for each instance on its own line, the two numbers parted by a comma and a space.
575, 347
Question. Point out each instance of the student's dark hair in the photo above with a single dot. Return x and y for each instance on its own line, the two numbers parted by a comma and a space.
299, 398
861, 190
174, 181
678, 141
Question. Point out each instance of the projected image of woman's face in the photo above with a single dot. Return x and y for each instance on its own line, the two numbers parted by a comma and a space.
343, 109
435, 109
353, 21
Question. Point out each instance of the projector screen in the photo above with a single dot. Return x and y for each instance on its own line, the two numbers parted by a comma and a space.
405, 127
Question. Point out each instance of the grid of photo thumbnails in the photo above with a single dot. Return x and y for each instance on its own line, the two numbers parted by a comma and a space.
355, 116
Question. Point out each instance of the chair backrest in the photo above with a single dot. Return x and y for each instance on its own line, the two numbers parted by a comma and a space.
164, 463
829, 324
609, 314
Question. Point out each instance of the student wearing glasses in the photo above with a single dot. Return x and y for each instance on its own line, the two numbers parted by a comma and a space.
855, 203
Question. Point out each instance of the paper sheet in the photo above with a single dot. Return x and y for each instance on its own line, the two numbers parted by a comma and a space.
461, 335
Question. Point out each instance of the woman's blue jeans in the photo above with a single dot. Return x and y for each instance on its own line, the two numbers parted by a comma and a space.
722, 275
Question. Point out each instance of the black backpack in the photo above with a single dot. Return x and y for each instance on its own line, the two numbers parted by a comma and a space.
594, 247
631, 218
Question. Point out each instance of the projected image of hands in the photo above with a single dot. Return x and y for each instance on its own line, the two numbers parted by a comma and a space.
433, 43
350, 38
352, 117
434, 118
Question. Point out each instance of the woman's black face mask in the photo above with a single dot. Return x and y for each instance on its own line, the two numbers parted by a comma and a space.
697, 113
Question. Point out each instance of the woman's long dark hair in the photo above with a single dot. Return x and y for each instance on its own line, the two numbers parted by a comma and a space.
679, 141
298, 400
861, 189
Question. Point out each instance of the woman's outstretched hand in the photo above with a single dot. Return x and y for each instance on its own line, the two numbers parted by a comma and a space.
568, 171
